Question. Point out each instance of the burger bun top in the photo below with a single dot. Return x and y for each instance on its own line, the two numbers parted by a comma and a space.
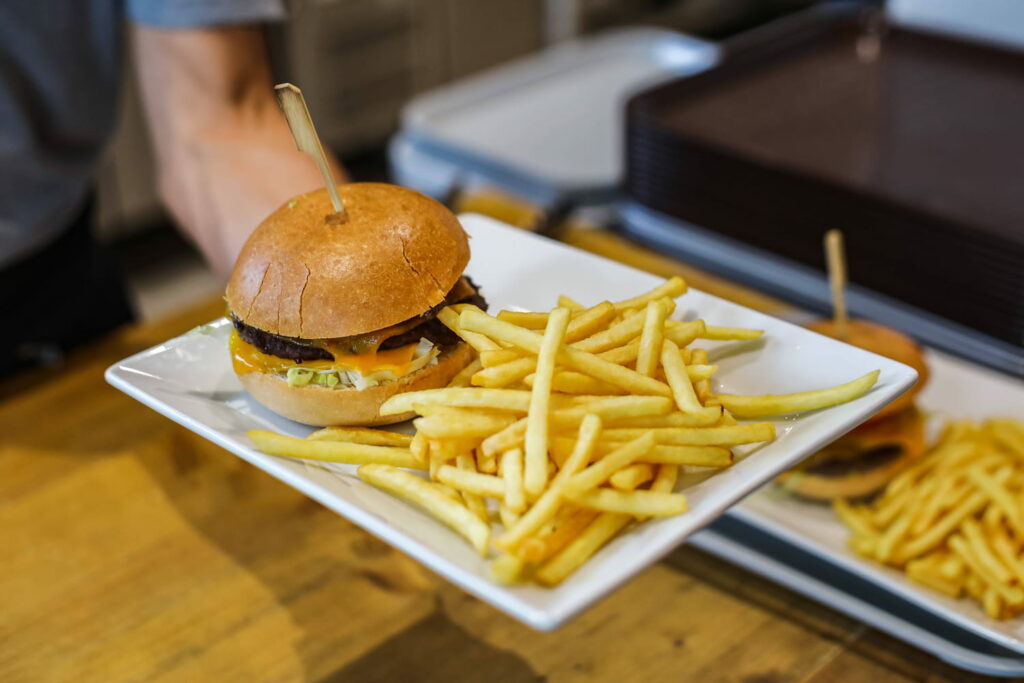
395, 255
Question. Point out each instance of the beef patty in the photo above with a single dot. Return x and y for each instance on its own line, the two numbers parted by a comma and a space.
427, 327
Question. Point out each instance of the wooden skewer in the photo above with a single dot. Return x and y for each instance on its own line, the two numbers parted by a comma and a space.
836, 259
293, 104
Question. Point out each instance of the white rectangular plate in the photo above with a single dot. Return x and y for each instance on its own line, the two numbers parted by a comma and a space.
956, 390
189, 379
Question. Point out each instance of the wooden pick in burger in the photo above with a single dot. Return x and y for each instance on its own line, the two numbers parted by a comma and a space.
293, 104
836, 259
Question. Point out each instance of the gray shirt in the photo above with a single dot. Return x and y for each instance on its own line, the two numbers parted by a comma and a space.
59, 73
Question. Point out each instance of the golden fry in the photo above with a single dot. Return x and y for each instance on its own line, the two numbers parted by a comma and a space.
485, 485
475, 504
418, 447
706, 418
449, 317
507, 569
635, 503
632, 476
926, 574
857, 521
598, 473
651, 338
730, 333
600, 531
363, 435
563, 529
696, 456
464, 376
512, 473
671, 288
1002, 498
332, 451
535, 455
681, 334
675, 372
753, 432
589, 322
498, 376
570, 303
423, 493
499, 399
782, 404
455, 423
547, 505
490, 359
568, 382
616, 335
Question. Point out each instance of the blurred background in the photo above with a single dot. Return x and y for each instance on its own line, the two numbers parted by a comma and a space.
359, 62
719, 140
728, 135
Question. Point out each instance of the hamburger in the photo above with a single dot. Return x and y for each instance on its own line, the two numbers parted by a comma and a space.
333, 317
864, 460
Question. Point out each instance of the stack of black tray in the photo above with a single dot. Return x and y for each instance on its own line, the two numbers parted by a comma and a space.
912, 144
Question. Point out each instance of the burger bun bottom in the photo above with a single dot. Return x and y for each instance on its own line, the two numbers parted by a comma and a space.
323, 407
854, 473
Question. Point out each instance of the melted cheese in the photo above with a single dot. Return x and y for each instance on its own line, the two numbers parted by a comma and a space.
247, 358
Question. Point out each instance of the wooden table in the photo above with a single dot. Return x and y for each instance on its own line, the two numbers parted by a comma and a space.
131, 549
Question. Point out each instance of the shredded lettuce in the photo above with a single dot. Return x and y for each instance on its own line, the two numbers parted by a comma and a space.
425, 355
299, 377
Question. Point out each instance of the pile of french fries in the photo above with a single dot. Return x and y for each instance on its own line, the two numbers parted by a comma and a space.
954, 521
572, 424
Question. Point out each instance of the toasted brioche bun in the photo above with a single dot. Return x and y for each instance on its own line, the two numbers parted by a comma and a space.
853, 474
324, 407
396, 255
886, 342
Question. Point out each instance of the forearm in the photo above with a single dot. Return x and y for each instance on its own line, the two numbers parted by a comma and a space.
225, 157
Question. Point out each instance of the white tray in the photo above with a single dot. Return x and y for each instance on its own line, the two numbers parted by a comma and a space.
548, 125
190, 380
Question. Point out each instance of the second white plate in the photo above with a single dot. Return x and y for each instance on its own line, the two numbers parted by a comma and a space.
957, 390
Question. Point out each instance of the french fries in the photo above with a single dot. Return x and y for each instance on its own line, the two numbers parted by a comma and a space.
730, 333
670, 289
675, 372
635, 503
423, 493
449, 423
332, 451
651, 338
573, 423
583, 361
953, 520
629, 478
599, 532
485, 485
782, 404
498, 399
449, 317
547, 505
363, 435
535, 463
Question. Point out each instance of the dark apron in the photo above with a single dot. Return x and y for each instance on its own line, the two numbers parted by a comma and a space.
65, 295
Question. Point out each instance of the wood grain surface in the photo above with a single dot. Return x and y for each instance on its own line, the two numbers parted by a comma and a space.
133, 550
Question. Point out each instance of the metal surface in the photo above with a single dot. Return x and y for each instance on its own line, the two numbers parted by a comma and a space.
807, 287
